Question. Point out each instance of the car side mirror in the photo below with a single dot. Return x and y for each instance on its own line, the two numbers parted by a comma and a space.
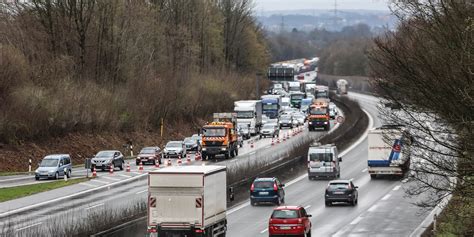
356, 186
309, 215
340, 159
282, 185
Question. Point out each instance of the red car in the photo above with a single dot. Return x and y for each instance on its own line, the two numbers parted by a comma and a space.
150, 155
300, 77
289, 221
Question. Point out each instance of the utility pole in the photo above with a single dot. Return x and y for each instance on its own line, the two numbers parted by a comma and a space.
258, 75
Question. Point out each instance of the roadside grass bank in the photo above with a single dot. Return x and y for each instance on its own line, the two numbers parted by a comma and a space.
26, 190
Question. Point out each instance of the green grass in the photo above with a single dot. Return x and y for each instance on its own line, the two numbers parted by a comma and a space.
26, 190
8, 173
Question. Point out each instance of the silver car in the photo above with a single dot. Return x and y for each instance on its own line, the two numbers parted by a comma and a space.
105, 159
54, 166
174, 149
270, 130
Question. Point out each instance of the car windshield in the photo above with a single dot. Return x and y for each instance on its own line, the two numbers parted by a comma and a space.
297, 97
326, 157
270, 106
245, 114
195, 138
286, 118
49, 163
335, 186
317, 111
213, 132
188, 140
105, 154
306, 102
147, 150
174, 144
268, 126
285, 214
263, 184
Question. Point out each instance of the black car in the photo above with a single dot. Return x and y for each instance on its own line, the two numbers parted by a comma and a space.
191, 144
341, 191
105, 159
267, 190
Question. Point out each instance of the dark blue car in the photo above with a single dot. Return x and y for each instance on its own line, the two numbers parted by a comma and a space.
267, 190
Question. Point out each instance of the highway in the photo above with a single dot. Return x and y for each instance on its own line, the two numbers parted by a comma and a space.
383, 209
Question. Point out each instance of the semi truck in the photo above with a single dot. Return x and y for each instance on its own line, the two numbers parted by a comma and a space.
341, 86
295, 99
308, 87
249, 112
188, 201
294, 86
388, 153
220, 136
318, 116
271, 106
322, 92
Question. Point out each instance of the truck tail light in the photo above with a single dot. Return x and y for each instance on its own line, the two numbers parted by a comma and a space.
275, 187
252, 188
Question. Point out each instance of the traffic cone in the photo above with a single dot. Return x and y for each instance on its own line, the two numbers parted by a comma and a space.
94, 173
188, 159
197, 156
273, 142
288, 136
278, 139
140, 167
157, 163
251, 144
179, 160
128, 167
111, 170
169, 162
284, 137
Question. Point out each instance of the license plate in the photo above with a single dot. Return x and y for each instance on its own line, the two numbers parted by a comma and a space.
144, 159
338, 192
285, 227
263, 193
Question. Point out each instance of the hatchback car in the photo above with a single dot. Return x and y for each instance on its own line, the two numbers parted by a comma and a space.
174, 149
270, 130
105, 159
267, 190
289, 221
191, 144
341, 191
150, 155
54, 166
286, 121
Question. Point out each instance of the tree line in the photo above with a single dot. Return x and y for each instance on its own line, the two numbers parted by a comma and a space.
117, 65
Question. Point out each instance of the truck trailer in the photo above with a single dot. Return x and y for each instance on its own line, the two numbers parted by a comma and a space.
249, 112
187, 201
387, 151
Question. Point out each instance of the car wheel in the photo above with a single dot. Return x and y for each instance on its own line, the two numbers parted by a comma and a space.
373, 176
68, 174
328, 204
137, 162
353, 203
121, 165
252, 202
236, 152
308, 234
56, 176
356, 201
37, 178
278, 202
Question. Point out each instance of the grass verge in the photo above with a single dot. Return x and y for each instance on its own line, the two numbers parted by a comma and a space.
7, 173
26, 190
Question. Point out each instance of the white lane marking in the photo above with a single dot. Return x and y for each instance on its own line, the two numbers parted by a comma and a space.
97, 205
263, 231
364, 170
396, 187
109, 178
124, 175
349, 149
88, 184
386, 197
136, 172
98, 181
373, 208
356, 220
26, 227
251, 153
233, 160
141, 191
306, 207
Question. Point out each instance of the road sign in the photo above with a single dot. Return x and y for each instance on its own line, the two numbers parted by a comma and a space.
340, 119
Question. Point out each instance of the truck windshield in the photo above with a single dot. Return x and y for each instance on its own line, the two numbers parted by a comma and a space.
270, 106
322, 94
49, 163
326, 157
318, 111
294, 88
245, 114
213, 132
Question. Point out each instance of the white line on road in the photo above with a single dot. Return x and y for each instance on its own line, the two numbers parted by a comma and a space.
88, 184
26, 227
124, 175
98, 181
373, 208
141, 191
251, 153
364, 170
356, 220
306, 207
397, 188
136, 172
98, 205
109, 178
263, 231
386, 197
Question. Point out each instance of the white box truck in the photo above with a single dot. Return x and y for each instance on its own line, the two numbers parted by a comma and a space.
249, 113
387, 151
187, 201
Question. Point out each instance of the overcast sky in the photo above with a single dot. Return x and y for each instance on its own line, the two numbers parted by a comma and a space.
277, 5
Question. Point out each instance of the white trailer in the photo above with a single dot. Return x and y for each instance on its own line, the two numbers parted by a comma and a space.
187, 201
387, 151
341, 86
249, 112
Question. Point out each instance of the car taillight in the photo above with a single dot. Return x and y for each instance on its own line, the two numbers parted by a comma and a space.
275, 187
199, 231
252, 188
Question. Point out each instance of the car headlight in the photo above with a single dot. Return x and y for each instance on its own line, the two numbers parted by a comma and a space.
325, 122
223, 149
165, 150
51, 171
204, 149
349, 195
310, 122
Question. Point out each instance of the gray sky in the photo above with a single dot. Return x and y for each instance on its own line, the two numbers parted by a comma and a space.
277, 5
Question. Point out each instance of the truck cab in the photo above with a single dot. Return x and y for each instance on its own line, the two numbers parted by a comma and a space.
271, 106
323, 161
318, 116
295, 99
220, 137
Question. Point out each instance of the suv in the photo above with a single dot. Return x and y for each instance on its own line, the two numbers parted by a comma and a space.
174, 149
149, 155
54, 166
270, 130
267, 190
105, 159
341, 191
289, 220
191, 144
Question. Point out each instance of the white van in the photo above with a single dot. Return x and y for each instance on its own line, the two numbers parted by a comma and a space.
323, 161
